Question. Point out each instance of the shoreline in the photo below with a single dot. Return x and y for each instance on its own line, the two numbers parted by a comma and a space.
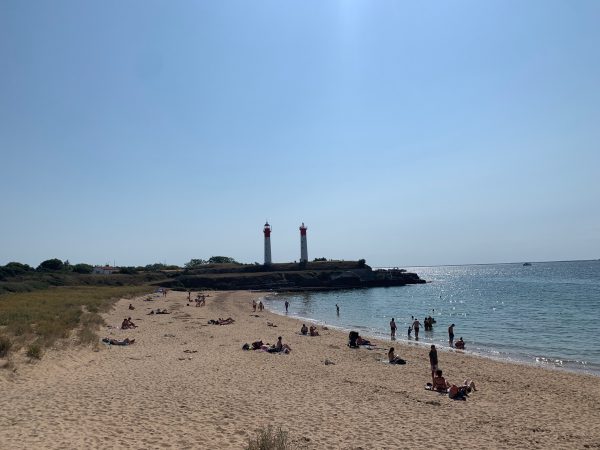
445, 348
187, 384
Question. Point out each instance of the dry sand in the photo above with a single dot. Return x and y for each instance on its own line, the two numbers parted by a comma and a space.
154, 394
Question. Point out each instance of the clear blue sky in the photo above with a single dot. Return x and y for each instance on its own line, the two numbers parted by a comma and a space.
405, 133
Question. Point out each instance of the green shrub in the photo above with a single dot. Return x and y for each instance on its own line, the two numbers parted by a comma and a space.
34, 351
51, 265
5, 345
83, 268
269, 439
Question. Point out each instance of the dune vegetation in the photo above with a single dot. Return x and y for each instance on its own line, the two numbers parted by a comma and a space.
37, 319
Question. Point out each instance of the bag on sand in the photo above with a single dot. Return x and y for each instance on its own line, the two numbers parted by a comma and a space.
352, 338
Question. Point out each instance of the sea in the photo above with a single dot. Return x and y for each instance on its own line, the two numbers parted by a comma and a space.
545, 314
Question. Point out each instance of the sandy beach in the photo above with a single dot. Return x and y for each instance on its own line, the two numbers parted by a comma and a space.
186, 384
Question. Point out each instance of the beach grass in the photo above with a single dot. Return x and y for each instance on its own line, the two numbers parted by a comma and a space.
270, 439
42, 317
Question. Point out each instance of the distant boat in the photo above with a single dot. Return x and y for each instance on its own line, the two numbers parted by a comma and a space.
526, 264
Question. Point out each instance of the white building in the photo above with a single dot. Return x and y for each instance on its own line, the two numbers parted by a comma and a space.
105, 270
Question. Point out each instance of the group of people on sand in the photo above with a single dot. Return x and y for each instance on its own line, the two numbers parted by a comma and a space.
355, 340
439, 383
312, 331
260, 305
127, 324
221, 321
454, 391
158, 311
200, 299
278, 347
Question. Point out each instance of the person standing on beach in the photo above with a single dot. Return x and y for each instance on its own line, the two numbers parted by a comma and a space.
393, 328
416, 325
451, 335
287, 305
433, 361
337, 308
253, 305
260, 305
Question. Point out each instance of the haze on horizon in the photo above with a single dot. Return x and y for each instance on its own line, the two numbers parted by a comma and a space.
406, 134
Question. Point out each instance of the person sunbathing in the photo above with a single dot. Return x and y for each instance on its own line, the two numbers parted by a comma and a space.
280, 347
393, 358
227, 321
313, 331
458, 392
131, 306
439, 382
303, 330
127, 324
361, 341
125, 341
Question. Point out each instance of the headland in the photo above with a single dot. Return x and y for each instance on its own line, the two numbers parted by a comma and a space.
317, 275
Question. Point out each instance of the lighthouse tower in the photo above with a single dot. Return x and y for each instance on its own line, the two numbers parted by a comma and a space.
303, 246
267, 232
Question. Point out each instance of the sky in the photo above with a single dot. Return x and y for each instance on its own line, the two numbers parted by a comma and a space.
405, 133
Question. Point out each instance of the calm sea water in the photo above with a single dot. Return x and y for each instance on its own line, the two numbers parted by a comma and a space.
546, 314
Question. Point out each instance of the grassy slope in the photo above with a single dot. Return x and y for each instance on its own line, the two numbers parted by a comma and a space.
43, 316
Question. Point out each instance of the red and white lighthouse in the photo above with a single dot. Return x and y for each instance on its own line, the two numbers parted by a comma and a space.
267, 232
303, 245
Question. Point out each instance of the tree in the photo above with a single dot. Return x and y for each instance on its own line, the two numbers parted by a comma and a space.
221, 260
195, 263
51, 265
13, 269
83, 268
18, 267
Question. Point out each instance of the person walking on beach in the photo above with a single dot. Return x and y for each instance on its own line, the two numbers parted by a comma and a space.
416, 325
433, 361
337, 308
287, 305
451, 335
393, 328
253, 305
260, 305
